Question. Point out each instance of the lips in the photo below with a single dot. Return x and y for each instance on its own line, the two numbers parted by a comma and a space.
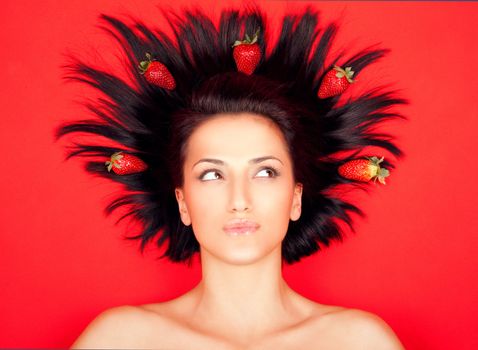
237, 227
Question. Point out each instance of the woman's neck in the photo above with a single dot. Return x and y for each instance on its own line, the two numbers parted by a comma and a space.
248, 298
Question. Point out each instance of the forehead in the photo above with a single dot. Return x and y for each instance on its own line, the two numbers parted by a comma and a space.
237, 136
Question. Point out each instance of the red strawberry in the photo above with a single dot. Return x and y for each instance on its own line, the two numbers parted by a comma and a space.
364, 170
156, 73
247, 54
335, 81
125, 164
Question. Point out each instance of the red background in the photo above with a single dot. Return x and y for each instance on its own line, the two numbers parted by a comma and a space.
413, 260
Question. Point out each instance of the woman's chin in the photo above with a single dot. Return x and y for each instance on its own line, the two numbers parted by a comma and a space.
239, 255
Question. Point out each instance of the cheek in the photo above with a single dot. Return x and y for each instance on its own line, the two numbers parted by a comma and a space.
205, 206
274, 203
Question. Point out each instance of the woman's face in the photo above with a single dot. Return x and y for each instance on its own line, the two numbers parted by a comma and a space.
238, 191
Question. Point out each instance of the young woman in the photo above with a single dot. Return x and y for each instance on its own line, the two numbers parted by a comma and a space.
234, 156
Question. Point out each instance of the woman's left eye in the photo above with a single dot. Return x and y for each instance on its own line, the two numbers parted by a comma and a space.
267, 172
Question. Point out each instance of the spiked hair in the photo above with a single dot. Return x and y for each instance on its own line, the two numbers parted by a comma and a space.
154, 124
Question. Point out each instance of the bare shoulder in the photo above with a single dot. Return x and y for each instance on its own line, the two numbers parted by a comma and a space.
116, 328
363, 330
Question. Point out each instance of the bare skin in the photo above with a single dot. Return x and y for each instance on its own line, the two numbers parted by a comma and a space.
242, 301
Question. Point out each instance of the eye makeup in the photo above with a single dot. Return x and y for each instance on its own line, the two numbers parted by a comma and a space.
273, 171
207, 171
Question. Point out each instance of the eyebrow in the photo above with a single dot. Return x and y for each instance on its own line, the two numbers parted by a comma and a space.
220, 162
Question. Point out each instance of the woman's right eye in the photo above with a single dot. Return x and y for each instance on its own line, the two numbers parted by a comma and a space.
210, 175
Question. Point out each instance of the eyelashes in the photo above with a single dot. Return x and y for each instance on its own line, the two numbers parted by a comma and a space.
215, 174
274, 172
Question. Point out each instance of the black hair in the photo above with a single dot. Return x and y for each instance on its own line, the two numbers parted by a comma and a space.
154, 124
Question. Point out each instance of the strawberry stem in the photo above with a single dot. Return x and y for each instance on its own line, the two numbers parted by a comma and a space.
347, 73
382, 173
248, 39
144, 65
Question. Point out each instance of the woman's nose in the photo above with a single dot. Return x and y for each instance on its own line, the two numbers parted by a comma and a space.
239, 196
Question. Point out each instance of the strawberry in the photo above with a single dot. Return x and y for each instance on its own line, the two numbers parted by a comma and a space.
364, 170
247, 54
125, 164
156, 73
335, 81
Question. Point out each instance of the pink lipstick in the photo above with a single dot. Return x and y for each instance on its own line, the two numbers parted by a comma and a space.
240, 227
